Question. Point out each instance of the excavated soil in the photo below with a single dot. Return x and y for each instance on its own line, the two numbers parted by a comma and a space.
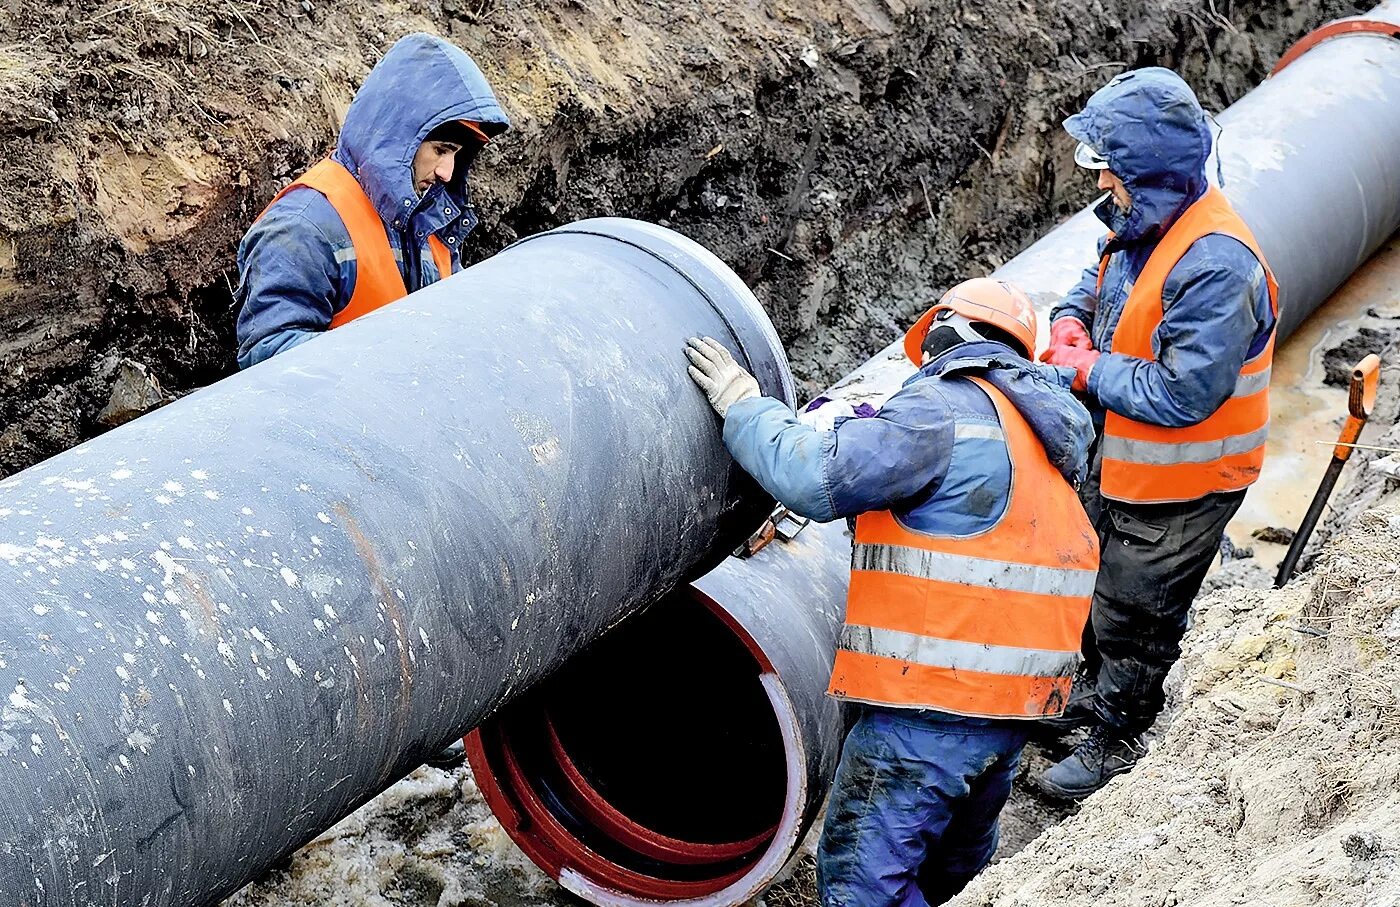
847, 157
428, 841
1278, 782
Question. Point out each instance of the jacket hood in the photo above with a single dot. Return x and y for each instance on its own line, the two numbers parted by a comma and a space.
1152, 131
422, 82
1058, 419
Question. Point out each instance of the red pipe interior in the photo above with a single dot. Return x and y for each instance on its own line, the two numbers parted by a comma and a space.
652, 764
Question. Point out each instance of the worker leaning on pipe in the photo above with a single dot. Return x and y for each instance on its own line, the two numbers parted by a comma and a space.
1171, 336
970, 581
384, 215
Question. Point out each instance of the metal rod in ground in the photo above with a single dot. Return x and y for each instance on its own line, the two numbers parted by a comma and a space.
1305, 529
1361, 399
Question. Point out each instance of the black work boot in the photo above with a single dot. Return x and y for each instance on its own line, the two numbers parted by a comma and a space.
1079, 711
1103, 754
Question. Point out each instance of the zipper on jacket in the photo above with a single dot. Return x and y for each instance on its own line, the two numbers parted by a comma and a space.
412, 259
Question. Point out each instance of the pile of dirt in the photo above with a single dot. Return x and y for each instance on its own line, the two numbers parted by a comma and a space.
848, 157
1278, 782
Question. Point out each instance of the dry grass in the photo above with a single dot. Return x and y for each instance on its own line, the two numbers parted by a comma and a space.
798, 890
29, 85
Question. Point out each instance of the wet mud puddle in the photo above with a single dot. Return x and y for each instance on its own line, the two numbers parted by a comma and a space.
1305, 413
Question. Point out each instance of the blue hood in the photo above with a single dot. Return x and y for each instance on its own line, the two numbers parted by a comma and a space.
1152, 131
1060, 421
422, 82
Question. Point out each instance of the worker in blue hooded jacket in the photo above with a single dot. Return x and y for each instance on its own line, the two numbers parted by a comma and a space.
973, 563
386, 214
1170, 333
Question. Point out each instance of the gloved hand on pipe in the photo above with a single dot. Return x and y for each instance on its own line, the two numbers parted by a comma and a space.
722, 379
1082, 361
1068, 331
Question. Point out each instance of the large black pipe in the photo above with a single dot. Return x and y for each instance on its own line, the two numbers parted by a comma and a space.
1310, 160
226, 625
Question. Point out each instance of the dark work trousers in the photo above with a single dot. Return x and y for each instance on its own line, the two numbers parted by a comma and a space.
914, 807
1152, 561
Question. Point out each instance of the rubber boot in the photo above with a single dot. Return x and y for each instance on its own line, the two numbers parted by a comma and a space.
1104, 754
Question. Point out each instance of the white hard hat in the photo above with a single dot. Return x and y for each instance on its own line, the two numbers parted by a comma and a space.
1089, 159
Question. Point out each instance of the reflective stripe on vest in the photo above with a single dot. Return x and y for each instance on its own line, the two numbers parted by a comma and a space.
955, 655
973, 571
988, 625
378, 281
1151, 464
1164, 453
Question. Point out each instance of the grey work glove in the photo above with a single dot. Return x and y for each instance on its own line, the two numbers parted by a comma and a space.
722, 379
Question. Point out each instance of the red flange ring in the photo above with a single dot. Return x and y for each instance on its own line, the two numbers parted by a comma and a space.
553, 848
1340, 28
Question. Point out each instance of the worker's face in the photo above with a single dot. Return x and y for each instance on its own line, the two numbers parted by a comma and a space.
1108, 182
433, 163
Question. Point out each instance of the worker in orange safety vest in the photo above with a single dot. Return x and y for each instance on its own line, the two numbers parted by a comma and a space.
971, 574
1170, 336
384, 215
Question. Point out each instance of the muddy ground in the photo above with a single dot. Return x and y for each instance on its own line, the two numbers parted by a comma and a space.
847, 157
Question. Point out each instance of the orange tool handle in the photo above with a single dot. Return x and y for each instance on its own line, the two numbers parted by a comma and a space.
1361, 399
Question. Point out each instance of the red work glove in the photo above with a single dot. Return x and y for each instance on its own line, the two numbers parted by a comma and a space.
1082, 361
1070, 331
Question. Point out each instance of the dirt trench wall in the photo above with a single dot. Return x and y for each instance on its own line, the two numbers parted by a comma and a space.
848, 157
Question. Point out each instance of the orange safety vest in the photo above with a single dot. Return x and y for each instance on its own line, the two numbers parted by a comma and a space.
1152, 464
377, 278
986, 625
